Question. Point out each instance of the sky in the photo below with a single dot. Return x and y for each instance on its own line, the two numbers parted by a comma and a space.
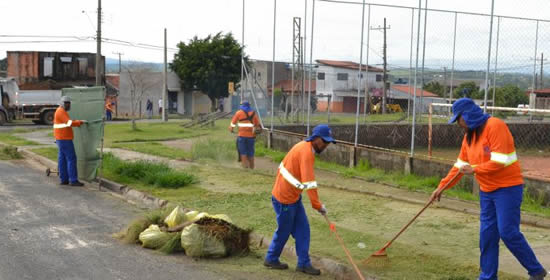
337, 29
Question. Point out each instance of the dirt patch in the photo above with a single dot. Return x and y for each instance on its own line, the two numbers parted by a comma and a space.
184, 144
537, 167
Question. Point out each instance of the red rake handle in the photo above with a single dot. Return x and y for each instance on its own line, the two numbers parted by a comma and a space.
333, 229
419, 213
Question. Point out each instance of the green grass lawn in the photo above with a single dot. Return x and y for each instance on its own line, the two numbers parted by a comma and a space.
122, 133
155, 148
8, 138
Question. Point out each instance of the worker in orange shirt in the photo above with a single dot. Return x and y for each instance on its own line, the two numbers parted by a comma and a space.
248, 123
489, 154
294, 176
63, 133
108, 110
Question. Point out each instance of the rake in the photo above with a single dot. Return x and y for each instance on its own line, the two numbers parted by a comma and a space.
382, 252
333, 229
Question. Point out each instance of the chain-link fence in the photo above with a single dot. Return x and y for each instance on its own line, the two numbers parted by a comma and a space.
429, 56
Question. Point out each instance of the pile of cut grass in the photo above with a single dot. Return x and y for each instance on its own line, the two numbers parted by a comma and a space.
9, 153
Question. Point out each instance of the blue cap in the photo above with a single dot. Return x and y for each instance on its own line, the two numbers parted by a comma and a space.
322, 131
460, 106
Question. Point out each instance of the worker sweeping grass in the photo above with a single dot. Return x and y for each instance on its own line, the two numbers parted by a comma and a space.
488, 152
296, 174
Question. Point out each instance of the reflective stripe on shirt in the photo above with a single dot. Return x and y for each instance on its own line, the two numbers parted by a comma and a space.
460, 163
505, 159
63, 125
245, 125
293, 181
233, 125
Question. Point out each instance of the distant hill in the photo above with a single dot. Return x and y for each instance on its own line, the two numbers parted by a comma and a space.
111, 64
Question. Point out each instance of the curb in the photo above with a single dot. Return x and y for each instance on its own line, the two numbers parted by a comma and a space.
336, 269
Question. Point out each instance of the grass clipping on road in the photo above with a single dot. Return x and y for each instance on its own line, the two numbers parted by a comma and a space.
206, 230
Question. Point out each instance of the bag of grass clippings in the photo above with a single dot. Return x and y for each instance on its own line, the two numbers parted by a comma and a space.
153, 237
176, 217
197, 243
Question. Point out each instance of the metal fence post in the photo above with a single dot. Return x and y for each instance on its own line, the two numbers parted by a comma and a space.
423, 57
489, 57
273, 62
310, 67
430, 113
416, 77
453, 65
359, 77
496, 64
367, 63
410, 65
531, 97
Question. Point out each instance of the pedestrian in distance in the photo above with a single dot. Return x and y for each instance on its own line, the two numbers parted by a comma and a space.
249, 124
488, 153
63, 133
296, 174
149, 109
108, 111
160, 107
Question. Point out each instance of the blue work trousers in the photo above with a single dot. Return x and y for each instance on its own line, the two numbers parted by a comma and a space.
500, 218
291, 219
66, 160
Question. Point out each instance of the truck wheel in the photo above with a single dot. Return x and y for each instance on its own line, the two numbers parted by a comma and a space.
47, 117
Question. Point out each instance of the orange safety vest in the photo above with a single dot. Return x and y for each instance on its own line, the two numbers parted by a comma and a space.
63, 125
246, 123
296, 174
493, 157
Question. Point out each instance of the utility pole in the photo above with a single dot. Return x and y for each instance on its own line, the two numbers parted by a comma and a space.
385, 77
165, 83
119, 61
98, 70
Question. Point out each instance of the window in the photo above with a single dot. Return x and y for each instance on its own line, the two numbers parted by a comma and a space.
320, 76
83, 66
342, 76
378, 78
66, 59
48, 66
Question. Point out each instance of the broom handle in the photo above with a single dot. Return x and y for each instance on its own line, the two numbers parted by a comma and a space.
421, 211
333, 229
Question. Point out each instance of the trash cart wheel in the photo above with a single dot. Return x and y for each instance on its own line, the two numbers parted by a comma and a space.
48, 172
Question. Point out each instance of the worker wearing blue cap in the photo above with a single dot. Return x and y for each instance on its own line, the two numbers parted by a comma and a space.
488, 152
295, 175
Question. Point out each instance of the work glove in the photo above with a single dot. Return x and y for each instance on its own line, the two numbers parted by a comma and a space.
322, 210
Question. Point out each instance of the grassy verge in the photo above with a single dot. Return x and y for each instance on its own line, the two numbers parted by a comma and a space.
155, 148
50, 153
215, 148
121, 133
9, 153
9, 139
153, 174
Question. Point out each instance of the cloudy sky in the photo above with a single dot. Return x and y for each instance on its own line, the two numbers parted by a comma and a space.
336, 35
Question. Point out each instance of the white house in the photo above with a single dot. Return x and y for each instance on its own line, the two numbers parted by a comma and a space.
339, 80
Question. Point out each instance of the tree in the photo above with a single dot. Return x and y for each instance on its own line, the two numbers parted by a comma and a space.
141, 80
436, 88
467, 89
509, 96
209, 64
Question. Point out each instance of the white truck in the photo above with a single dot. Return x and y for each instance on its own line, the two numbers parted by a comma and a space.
36, 105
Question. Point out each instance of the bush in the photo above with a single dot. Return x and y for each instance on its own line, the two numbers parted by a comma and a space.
152, 173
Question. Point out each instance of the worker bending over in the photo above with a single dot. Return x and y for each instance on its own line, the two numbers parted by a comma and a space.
63, 133
294, 176
249, 124
488, 152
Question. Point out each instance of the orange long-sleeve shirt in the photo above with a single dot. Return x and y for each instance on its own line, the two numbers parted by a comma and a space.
296, 174
246, 127
493, 157
63, 125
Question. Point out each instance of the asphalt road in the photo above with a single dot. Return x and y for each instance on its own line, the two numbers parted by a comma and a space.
53, 232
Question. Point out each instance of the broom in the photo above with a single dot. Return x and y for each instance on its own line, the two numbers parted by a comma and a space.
382, 252
333, 229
